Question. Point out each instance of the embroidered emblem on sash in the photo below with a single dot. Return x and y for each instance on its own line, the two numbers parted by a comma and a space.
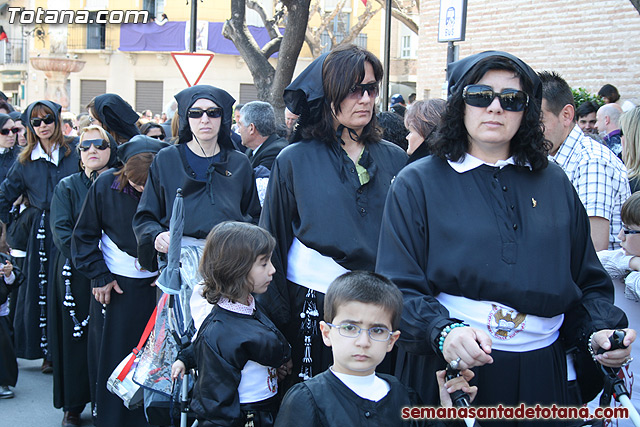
504, 323
272, 380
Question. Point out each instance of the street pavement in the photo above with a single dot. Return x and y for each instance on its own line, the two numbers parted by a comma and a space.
33, 404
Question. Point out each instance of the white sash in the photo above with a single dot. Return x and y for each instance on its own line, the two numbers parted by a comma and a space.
257, 382
508, 329
120, 262
309, 268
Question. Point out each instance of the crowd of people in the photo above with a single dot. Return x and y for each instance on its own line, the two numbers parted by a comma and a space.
345, 257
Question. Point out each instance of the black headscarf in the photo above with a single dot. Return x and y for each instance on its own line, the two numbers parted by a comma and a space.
16, 116
457, 70
139, 144
188, 97
26, 116
305, 96
116, 113
3, 119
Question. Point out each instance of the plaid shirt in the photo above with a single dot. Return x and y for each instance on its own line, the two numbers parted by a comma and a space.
599, 177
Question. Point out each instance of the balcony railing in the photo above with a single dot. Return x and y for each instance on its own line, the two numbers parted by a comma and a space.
94, 36
13, 51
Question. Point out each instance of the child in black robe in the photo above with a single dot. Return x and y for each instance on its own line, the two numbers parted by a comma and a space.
362, 313
238, 351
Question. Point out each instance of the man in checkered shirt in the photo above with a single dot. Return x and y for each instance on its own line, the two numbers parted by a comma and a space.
598, 175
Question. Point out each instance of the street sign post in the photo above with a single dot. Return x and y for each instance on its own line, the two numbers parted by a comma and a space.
192, 65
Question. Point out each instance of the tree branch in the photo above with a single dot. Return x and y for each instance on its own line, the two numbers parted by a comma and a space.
402, 17
363, 20
269, 24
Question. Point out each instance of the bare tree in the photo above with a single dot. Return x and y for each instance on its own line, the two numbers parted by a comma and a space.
269, 81
401, 10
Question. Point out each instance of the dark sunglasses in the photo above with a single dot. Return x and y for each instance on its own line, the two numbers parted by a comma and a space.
86, 144
483, 95
357, 91
196, 113
156, 136
37, 121
6, 132
625, 230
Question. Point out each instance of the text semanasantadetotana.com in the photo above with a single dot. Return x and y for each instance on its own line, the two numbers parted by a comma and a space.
521, 412
41, 16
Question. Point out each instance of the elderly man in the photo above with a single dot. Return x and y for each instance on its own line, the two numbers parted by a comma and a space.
607, 123
257, 127
290, 119
599, 177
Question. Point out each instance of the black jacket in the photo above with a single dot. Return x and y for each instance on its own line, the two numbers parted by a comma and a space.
229, 194
66, 204
267, 152
226, 341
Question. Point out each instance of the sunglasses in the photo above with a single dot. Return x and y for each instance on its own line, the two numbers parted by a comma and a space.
86, 144
158, 136
357, 91
626, 230
196, 113
483, 95
6, 132
37, 121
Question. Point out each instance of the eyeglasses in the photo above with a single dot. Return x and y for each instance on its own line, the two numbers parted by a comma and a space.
156, 136
37, 121
626, 230
377, 333
86, 144
6, 132
196, 113
483, 95
357, 91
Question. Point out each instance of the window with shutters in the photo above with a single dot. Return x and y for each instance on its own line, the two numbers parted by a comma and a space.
149, 96
89, 89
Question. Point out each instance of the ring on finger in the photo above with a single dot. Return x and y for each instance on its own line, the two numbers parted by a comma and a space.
455, 364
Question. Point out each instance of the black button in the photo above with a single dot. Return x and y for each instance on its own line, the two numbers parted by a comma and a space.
515, 226
512, 207
367, 414
353, 170
363, 210
504, 188
359, 191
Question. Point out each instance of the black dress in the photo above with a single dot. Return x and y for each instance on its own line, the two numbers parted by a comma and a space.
36, 179
511, 236
114, 334
71, 386
228, 194
314, 194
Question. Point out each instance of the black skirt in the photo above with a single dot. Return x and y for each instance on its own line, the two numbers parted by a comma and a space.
8, 362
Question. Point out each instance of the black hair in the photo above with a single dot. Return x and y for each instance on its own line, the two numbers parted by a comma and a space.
586, 108
610, 92
365, 287
528, 145
555, 91
393, 129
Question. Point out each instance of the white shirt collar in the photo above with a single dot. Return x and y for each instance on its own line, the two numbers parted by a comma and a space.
39, 153
469, 162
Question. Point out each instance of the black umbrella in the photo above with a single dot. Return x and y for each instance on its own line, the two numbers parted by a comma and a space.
169, 280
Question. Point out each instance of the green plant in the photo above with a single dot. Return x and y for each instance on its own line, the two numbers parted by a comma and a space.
582, 95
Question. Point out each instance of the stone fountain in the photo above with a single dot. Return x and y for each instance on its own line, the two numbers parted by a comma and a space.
57, 67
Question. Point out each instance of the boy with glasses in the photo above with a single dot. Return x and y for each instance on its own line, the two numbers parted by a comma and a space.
362, 313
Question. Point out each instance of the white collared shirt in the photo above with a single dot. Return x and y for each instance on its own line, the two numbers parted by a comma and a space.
39, 153
469, 162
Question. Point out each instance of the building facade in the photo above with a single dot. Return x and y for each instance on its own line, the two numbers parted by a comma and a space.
588, 43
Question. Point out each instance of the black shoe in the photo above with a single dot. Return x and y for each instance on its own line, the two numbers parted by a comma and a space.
47, 367
5, 392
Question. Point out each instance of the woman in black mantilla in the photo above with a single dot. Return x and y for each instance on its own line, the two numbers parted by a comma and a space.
326, 194
491, 248
104, 249
115, 115
8, 148
217, 181
73, 380
44, 161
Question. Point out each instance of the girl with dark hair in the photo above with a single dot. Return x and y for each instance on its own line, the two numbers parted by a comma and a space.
154, 130
422, 119
115, 115
72, 295
325, 196
217, 182
237, 372
491, 247
44, 161
104, 249
20, 136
